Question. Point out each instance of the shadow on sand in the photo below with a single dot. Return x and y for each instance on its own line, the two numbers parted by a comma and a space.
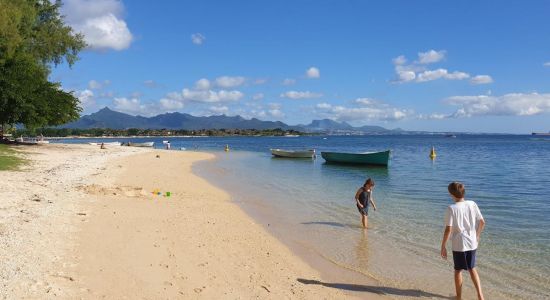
380, 290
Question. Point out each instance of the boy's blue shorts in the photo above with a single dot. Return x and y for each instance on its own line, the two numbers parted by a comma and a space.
364, 210
464, 260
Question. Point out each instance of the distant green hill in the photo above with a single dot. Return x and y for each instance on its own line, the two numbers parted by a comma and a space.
107, 118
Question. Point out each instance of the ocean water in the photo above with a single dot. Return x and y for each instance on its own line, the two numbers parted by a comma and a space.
310, 204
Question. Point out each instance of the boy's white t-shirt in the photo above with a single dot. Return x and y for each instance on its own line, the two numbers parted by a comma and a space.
463, 216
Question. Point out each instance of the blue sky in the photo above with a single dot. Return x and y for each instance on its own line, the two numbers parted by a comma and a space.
481, 66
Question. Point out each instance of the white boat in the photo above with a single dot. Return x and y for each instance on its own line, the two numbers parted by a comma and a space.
165, 142
293, 153
146, 144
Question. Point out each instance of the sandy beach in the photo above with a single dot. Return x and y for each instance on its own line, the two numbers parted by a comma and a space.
77, 222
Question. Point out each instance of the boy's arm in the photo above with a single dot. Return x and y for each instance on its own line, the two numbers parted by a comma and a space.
480, 229
446, 235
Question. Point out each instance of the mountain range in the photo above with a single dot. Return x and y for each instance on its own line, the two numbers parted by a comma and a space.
107, 118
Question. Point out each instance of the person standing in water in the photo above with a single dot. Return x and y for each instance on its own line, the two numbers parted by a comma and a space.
362, 199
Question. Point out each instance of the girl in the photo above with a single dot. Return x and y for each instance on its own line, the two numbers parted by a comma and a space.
362, 199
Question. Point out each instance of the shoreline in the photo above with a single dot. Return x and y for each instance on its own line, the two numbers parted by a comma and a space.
106, 235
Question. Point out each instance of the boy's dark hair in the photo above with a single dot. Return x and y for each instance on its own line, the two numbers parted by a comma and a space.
457, 189
369, 181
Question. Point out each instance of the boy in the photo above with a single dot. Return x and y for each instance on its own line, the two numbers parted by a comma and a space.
460, 221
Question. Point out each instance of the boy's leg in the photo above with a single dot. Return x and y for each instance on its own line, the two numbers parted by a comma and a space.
364, 220
458, 284
477, 283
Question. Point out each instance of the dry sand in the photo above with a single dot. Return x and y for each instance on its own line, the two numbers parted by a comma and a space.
83, 223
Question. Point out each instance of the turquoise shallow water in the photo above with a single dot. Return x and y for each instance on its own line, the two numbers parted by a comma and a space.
311, 203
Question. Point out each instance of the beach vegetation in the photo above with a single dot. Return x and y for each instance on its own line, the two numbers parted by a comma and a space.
33, 39
8, 158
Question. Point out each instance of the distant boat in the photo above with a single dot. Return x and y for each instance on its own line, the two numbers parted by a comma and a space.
367, 158
541, 133
293, 153
291, 135
146, 144
450, 135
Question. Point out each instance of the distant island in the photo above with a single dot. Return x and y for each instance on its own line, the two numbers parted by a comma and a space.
107, 122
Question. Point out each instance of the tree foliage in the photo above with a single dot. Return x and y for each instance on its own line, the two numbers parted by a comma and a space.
33, 38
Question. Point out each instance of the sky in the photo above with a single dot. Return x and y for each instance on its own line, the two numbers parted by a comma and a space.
478, 66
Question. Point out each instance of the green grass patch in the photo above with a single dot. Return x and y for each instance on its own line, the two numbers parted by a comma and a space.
8, 158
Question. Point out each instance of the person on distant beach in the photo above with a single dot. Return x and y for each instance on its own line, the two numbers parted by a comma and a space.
463, 223
362, 199
168, 145
102, 146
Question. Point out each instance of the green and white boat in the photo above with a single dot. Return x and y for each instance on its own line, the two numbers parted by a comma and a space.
293, 153
366, 158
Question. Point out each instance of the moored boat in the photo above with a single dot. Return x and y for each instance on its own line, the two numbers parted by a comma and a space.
146, 144
367, 158
293, 153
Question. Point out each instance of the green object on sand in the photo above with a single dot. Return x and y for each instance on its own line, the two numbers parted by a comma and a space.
167, 194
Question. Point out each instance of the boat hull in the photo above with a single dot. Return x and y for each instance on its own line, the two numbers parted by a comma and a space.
293, 154
148, 144
373, 158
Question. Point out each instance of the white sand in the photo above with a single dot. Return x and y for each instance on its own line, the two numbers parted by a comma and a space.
83, 223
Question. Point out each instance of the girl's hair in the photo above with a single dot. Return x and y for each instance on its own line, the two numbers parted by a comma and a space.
457, 189
369, 182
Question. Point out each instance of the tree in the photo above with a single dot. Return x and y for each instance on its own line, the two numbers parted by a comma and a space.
33, 38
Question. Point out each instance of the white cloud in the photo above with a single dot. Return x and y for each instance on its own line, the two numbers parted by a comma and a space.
170, 105
275, 110
546, 64
86, 98
97, 85
400, 60
229, 81
341, 113
100, 22
197, 38
134, 106
289, 81
202, 84
366, 101
208, 96
219, 110
481, 79
150, 83
260, 81
300, 95
405, 76
430, 75
369, 110
313, 72
431, 56
258, 96
515, 104
323, 105
131, 106
417, 71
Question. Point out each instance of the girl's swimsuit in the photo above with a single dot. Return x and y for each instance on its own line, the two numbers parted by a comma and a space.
364, 199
